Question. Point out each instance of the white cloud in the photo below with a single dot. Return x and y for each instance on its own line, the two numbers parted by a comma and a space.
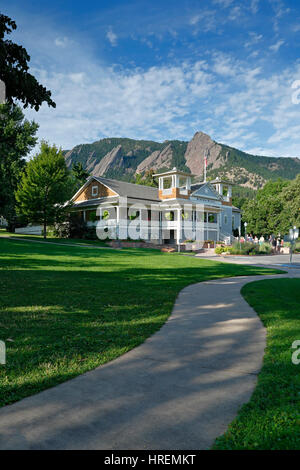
223, 3
275, 47
254, 6
224, 65
112, 37
235, 13
254, 38
205, 20
106, 102
63, 42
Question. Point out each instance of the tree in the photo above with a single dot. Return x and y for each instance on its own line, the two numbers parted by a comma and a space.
43, 191
17, 139
269, 213
146, 179
79, 173
20, 84
290, 197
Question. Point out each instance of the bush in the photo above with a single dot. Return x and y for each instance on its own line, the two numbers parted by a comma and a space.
222, 249
72, 227
90, 233
245, 248
265, 249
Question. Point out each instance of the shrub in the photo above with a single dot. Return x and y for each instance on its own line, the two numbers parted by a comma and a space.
72, 227
222, 249
245, 248
265, 249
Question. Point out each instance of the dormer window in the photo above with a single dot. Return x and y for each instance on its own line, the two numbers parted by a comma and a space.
94, 191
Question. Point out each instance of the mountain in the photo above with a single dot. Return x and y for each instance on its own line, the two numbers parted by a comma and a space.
123, 158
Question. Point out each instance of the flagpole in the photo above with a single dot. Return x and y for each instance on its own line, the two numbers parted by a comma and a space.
205, 165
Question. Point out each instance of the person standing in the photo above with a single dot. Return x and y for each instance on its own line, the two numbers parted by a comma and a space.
278, 245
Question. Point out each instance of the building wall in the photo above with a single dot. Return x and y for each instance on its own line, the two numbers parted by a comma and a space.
86, 194
236, 220
226, 220
174, 193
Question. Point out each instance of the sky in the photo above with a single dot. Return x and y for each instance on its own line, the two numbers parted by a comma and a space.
163, 70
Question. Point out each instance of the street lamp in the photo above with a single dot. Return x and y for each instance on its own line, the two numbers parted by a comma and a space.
293, 235
245, 225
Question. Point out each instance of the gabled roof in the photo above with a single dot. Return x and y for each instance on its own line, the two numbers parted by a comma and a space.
121, 188
200, 189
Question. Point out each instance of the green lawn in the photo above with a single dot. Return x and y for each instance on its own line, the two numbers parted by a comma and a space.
52, 239
271, 420
65, 310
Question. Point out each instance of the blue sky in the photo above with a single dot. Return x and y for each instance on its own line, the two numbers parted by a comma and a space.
166, 69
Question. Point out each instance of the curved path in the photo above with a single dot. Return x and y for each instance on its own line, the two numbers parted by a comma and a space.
179, 390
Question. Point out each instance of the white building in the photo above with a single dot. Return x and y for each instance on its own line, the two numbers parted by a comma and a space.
173, 213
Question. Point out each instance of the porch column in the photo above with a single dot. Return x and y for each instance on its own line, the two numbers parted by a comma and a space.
117, 221
179, 220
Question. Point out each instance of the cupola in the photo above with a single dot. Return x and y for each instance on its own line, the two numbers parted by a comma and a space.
174, 184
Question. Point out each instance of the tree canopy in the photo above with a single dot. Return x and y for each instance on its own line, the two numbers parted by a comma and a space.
14, 59
275, 209
79, 173
17, 139
44, 187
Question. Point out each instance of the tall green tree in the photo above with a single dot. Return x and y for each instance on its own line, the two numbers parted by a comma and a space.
267, 213
146, 179
17, 139
290, 197
44, 189
14, 59
79, 173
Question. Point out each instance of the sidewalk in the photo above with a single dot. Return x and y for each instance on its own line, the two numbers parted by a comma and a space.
261, 260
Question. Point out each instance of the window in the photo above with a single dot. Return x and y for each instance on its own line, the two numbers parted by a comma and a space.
132, 214
105, 215
225, 219
233, 222
169, 216
94, 190
212, 219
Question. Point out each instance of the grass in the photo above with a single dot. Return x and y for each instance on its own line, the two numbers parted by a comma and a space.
65, 310
52, 239
271, 419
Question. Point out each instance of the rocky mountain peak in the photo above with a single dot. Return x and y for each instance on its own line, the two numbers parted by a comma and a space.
158, 159
200, 146
112, 159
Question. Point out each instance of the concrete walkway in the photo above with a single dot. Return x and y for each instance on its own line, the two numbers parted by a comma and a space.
178, 390
270, 261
